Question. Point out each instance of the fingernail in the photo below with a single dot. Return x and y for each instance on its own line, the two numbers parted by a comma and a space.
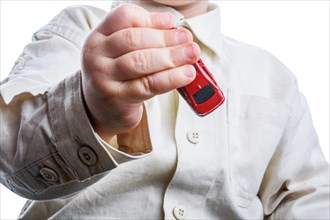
190, 52
182, 37
189, 71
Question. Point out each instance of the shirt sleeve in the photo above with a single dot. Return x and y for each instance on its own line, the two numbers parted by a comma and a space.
296, 184
48, 146
53, 54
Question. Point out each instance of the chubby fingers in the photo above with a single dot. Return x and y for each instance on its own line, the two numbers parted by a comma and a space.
129, 16
141, 89
141, 63
132, 39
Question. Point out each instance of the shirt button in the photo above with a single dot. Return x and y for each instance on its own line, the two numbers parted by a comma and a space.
179, 212
48, 174
87, 156
194, 137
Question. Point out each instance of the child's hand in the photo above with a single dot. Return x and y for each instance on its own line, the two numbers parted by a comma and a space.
130, 57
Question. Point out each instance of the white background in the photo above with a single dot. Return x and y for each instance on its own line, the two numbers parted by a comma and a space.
297, 32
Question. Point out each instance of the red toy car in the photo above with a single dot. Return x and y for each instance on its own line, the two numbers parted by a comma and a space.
203, 94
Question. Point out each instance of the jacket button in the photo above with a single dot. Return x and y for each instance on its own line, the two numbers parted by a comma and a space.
179, 212
48, 174
194, 137
87, 156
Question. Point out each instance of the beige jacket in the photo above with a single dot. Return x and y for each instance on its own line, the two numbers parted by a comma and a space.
257, 156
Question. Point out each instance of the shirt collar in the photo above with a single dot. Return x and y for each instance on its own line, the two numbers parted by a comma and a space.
205, 27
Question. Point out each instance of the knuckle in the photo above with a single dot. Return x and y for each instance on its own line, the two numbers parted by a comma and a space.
170, 82
88, 46
167, 38
148, 86
140, 62
93, 46
127, 11
132, 13
172, 54
132, 39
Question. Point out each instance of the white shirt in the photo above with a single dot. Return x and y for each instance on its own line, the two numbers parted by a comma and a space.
256, 156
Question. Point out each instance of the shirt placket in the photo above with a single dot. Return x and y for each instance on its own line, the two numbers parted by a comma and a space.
199, 141
199, 151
